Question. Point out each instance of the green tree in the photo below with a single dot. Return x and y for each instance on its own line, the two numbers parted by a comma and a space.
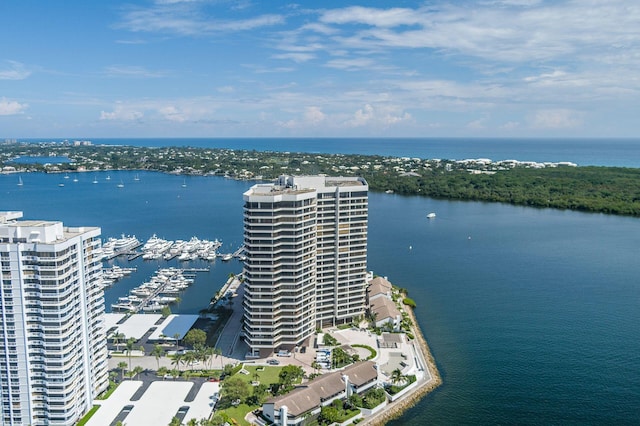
117, 339
233, 389
130, 346
122, 366
177, 339
137, 370
177, 360
157, 352
195, 337
165, 311
397, 376
290, 374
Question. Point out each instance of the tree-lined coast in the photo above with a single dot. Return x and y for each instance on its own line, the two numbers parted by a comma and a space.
611, 190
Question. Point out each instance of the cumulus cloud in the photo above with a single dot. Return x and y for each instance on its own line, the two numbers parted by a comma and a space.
556, 119
312, 116
383, 116
8, 107
14, 71
121, 113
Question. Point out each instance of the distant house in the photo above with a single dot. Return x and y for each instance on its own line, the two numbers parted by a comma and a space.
307, 400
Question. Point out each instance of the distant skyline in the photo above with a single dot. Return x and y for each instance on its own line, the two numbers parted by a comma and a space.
216, 68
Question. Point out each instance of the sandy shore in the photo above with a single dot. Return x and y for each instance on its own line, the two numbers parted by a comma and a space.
397, 408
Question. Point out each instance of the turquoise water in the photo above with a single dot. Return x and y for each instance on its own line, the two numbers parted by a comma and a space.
532, 314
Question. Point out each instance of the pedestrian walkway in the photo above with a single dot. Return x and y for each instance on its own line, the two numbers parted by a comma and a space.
228, 339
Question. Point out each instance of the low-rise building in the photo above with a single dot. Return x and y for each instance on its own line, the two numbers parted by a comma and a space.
307, 400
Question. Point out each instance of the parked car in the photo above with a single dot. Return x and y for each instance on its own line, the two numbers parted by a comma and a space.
273, 361
283, 353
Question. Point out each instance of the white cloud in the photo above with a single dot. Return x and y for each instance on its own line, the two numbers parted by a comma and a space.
187, 19
508, 31
510, 125
313, 116
354, 64
556, 119
122, 113
295, 57
8, 107
132, 71
379, 116
14, 71
370, 16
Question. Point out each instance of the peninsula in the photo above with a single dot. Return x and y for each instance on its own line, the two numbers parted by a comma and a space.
611, 190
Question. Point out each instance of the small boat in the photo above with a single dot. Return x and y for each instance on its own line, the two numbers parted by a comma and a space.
61, 184
431, 215
20, 181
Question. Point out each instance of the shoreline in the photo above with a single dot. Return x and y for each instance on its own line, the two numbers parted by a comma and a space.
397, 408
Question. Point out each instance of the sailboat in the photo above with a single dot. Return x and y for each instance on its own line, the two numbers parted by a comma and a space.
108, 177
20, 181
121, 184
136, 178
184, 183
66, 176
75, 178
95, 179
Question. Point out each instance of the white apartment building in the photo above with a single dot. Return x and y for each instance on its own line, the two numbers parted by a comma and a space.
305, 240
53, 354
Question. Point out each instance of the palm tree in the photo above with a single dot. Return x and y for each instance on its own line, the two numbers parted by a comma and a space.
137, 370
177, 360
177, 338
130, 343
218, 352
189, 358
397, 376
117, 338
158, 352
122, 365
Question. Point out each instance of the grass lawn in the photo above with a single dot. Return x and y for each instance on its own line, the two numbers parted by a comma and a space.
267, 376
239, 412
88, 416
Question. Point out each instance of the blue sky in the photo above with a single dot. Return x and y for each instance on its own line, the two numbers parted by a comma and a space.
215, 68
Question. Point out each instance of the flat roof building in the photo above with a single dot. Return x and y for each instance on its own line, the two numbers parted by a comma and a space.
305, 241
53, 356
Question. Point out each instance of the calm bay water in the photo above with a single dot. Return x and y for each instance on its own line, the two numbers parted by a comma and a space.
532, 314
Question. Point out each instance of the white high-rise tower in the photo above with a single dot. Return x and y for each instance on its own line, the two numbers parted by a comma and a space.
53, 354
306, 245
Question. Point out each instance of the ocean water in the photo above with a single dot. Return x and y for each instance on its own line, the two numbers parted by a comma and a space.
598, 152
532, 315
